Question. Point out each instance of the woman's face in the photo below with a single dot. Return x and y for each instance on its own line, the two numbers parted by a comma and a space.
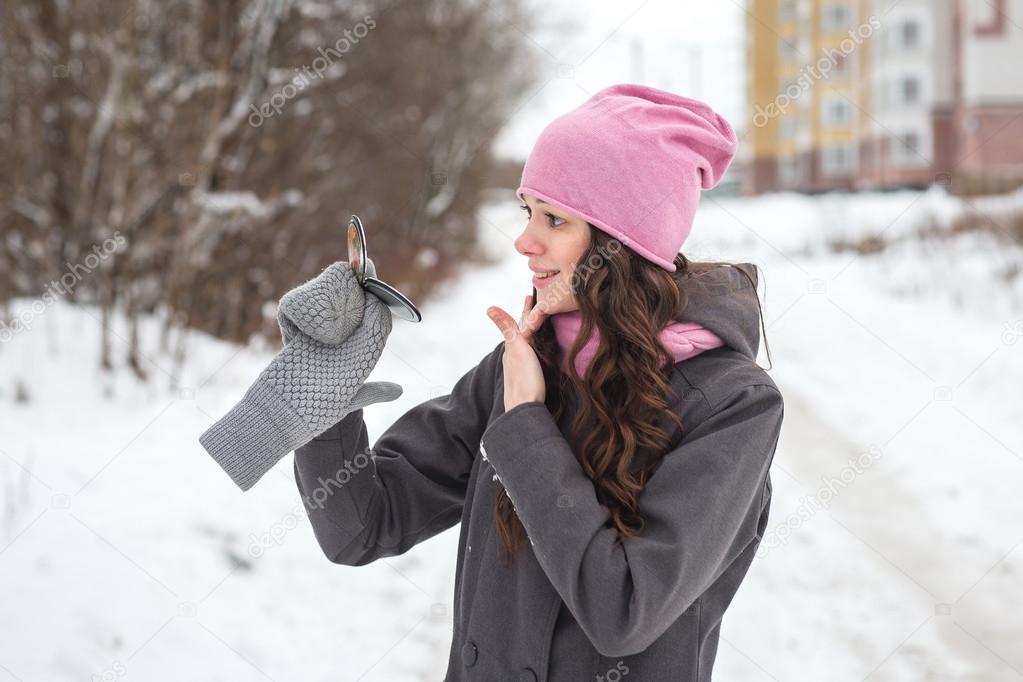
554, 239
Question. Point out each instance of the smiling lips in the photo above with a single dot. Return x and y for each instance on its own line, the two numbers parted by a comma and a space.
540, 280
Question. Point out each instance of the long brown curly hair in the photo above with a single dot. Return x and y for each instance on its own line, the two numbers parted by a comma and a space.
625, 393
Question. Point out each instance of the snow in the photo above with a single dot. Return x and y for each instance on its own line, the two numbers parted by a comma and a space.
892, 552
248, 202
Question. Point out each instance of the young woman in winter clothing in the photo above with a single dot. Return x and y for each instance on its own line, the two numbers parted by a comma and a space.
609, 459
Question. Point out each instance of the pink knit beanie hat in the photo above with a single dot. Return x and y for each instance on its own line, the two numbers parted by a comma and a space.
632, 161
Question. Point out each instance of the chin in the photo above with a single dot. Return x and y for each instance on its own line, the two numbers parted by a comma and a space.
557, 306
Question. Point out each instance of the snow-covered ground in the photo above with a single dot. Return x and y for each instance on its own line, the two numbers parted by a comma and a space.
893, 551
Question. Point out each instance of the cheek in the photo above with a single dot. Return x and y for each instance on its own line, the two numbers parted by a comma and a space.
568, 249
579, 251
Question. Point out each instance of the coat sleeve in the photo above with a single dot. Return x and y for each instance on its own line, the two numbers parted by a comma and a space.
366, 503
696, 506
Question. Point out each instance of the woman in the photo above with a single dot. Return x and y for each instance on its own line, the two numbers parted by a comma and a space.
608, 460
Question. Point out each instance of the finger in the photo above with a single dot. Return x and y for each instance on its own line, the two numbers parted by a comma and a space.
534, 317
374, 392
524, 318
509, 330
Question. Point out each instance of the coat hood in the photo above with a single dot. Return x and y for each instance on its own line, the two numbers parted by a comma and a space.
723, 300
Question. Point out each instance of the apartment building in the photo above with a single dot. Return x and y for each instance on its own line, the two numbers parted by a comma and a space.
868, 94
986, 93
897, 145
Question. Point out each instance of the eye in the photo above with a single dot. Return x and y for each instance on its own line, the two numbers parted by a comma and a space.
553, 218
550, 216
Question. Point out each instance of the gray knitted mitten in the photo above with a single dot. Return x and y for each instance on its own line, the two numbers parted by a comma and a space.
334, 333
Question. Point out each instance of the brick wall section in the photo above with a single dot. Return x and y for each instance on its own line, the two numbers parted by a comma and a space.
994, 144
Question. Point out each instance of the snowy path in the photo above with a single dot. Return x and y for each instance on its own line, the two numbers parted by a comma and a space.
874, 600
896, 484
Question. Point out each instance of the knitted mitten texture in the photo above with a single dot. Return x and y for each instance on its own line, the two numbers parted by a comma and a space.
334, 333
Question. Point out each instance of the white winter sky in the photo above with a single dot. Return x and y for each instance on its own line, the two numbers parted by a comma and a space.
694, 48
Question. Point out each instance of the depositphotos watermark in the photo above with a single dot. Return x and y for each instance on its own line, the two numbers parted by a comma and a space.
808, 74
809, 506
115, 671
562, 289
619, 671
308, 73
1012, 332
274, 535
76, 272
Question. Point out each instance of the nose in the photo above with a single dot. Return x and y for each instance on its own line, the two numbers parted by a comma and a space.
527, 243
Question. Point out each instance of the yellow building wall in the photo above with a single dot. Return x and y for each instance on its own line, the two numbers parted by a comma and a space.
769, 73
762, 68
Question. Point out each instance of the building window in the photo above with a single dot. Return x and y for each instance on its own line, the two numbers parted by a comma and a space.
837, 160
836, 111
787, 10
911, 145
841, 64
789, 128
910, 89
990, 19
792, 93
879, 92
904, 149
789, 172
789, 50
909, 35
835, 17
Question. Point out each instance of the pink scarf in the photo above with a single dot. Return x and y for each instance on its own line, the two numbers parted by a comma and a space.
682, 339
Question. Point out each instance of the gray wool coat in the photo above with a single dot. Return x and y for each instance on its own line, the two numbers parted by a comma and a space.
574, 606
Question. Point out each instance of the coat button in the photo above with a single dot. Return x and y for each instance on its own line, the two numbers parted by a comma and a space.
469, 654
527, 675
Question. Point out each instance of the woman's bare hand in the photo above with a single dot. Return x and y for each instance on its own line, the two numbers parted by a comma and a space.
523, 376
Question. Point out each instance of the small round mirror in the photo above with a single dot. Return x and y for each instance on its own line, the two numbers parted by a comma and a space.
397, 302
357, 248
